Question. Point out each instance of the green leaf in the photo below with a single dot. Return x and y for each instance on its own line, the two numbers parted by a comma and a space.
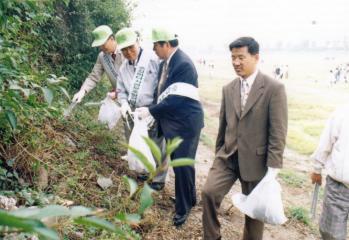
79, 211
180, 162
66, 2
128, 218
65, 92
47, 233
51, 211
132, 184
27, 225
172, 145
40, 213
96, 222
25, 91
48, 94
154, 149
11, 118
140, 156
146, 198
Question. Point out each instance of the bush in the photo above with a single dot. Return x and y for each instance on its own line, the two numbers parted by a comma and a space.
40, 40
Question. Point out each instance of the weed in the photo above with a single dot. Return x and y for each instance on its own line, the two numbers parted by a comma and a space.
300, 214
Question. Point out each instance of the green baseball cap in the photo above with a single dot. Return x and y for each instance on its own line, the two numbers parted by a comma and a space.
101, 34
125, 37
161, 34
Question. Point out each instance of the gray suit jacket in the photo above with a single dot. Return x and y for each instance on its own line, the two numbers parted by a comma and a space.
258, 133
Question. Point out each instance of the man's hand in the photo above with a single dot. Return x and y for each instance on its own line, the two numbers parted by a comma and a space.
316, 178
143, 112
125, 108
79, 96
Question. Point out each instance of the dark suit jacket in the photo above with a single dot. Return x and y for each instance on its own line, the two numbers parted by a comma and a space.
259, 133
178, 115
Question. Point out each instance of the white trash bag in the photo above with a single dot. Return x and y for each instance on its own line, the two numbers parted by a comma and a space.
136, 141
109, 112
264, 202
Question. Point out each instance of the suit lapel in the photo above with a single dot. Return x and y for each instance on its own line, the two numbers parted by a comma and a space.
236, 97
256, 91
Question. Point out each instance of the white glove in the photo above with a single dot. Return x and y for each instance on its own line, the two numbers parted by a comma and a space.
125, 108
79, 96
143, 112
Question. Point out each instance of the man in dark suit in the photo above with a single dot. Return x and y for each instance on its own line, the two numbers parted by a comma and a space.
251, 136
179, 113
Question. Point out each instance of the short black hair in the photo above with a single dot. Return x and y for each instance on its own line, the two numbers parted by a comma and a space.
251, 44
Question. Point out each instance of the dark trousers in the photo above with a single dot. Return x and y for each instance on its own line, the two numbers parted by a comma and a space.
222, 176
185, 190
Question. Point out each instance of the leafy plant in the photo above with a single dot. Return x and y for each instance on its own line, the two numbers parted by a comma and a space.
300, 214
146, 199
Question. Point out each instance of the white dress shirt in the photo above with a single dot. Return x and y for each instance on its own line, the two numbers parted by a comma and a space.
332, 152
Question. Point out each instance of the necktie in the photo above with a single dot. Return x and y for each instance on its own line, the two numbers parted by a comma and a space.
244, 93
162, 77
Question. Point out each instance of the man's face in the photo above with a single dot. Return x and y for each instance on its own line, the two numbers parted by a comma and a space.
131, 52
109, 46
244, 63
161, 51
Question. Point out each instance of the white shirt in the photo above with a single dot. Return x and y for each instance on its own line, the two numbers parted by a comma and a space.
250, 80
125, 81
245, 88
169, 58
332, 152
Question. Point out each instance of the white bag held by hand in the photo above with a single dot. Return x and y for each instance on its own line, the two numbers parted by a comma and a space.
264, 202
136, 141
109, 112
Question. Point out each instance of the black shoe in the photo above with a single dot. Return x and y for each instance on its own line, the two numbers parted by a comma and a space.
178, 219
142, 177
157, 185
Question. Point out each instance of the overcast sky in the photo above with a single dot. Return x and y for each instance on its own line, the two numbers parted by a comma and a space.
211, 23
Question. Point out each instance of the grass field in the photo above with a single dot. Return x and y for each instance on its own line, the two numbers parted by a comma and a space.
310, 98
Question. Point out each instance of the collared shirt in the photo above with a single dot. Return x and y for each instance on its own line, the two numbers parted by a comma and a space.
169, 58
245, 87
125, 81
134, 63
250, 80
332, 152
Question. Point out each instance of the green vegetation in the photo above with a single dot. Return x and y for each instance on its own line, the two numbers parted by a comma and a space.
300, 214
40, 40
292, 178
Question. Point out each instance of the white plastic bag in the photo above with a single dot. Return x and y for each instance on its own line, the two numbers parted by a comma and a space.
136, 141
109, 112
264, 202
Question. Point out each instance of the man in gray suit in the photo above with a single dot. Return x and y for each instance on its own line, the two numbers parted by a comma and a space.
251, 136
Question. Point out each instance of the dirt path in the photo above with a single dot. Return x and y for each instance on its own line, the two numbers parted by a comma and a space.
232, 220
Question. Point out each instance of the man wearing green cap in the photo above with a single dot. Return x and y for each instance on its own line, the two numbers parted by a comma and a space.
137, 83
108, 61
179, 113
